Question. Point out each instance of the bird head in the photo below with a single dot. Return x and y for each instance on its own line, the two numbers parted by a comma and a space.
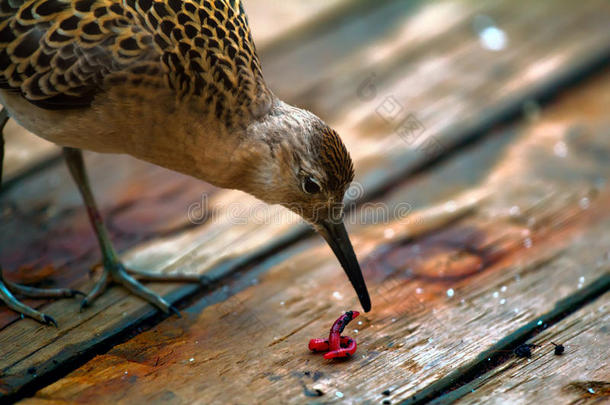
301, 163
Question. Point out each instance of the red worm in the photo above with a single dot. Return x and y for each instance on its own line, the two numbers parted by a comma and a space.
339, 346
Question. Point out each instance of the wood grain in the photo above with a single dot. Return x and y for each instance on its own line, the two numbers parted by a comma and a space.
580, 375
537, 235
448, 107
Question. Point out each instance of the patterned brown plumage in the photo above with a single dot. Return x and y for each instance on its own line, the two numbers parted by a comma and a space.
62, 53
336, 159
177, 83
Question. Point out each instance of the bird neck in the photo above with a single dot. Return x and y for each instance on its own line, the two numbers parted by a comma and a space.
265, 161
250, 159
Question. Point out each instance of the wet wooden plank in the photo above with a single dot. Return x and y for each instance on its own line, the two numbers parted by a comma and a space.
218, 246
580, 375
538, 233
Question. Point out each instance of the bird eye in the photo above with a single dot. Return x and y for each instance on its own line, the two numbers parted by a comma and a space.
311, 186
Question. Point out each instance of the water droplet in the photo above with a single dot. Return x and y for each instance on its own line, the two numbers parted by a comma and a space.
584, 203
539, 323
516, 310
337, 295
393, 319
503, 288
388, 233
591, 390
581, 280
527, 242
560, 149
496, 294
355, 330
419, 290
339, 394
359, 322
450, 292
192, 359
282, 303
514, 211
502, 301
450, 206
493, 39
126, 373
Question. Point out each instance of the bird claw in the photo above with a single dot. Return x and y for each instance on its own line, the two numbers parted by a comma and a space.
8, 289
83, 305
49, 320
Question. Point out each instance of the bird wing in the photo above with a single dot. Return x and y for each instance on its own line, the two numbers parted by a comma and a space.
62, 53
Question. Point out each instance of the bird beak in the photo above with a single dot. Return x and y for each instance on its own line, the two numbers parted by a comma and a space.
335, 234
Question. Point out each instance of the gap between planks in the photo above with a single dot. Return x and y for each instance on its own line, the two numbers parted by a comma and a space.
564, 209
455, 385
553, 87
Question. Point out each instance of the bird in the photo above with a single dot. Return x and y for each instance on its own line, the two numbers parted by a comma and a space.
177, 83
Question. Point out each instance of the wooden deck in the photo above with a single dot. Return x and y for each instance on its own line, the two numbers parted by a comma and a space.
479, 216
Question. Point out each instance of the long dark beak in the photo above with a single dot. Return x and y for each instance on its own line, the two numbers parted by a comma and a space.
335, 234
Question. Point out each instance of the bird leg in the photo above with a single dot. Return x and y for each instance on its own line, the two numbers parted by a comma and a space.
114, 271
8, 288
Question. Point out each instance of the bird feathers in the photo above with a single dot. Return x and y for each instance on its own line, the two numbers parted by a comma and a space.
174, 82
335, 158
63, 53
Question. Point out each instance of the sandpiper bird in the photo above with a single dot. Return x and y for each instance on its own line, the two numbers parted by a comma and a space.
177, 83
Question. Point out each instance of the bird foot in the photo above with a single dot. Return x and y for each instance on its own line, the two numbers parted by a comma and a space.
8, 289
117, 273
